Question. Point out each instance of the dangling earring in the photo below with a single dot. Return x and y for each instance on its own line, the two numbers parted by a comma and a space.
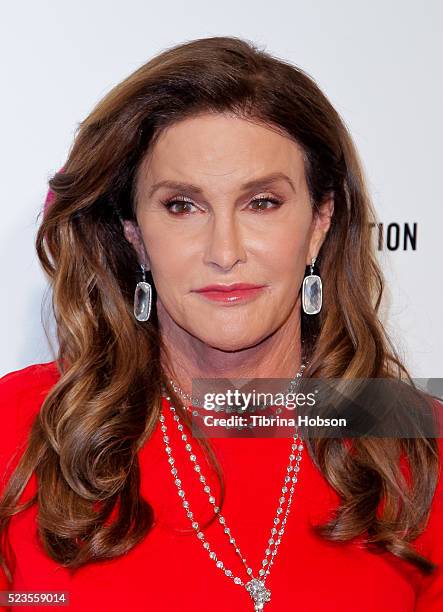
312, 292
142, 298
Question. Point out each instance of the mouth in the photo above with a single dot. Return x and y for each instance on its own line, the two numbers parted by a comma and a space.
230, 294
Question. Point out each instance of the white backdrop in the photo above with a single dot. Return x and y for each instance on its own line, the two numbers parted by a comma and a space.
380, 64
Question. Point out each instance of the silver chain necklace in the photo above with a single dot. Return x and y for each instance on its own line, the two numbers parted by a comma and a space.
256, 586
196, 402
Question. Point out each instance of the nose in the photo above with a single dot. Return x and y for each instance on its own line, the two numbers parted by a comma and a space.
224, 243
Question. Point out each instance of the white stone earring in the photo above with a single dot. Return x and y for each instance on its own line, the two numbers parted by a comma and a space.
312, 292
142, 298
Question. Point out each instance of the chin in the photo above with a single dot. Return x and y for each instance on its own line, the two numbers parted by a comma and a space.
230, 343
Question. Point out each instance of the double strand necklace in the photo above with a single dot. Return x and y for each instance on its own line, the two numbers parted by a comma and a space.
256, 585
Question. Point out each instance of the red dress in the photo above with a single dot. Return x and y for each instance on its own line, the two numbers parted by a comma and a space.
171, 571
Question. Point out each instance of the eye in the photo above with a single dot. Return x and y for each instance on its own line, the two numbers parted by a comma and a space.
179, 206
262, 201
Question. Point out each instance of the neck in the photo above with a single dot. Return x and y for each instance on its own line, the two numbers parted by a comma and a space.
185, 357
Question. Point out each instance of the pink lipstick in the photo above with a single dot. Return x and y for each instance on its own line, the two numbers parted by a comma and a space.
228, 294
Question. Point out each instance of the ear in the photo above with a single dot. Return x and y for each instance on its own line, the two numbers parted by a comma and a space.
321, 223
133, 235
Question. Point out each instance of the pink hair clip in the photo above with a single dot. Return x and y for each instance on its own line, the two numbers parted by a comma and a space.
50, 197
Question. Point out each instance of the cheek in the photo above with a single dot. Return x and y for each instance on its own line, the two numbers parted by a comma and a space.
288, 240
168, 271
161, 250
285, 260
171, 274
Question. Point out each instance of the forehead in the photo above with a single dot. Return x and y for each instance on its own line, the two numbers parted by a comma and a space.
220, 150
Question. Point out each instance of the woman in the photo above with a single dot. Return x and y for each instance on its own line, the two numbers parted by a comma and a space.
213, 164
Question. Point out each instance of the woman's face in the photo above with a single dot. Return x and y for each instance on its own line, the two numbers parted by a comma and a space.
221, 200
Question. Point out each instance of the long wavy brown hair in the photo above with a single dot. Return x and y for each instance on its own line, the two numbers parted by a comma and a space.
84, 443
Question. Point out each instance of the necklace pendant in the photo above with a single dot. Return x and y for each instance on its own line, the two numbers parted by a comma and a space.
259, 593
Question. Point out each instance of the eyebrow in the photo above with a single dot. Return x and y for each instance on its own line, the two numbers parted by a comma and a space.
259, 183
